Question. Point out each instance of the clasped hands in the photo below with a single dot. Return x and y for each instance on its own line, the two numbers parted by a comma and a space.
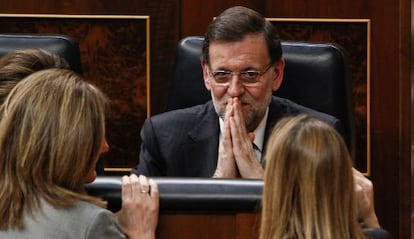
236, 157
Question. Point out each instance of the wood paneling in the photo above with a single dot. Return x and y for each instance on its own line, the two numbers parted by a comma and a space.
117, 65
196, 15
237, 225
163, 20
164, 25
390, 71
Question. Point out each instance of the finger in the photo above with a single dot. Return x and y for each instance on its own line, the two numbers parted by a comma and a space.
238, 115
225, 146
229, 110
238, 128
134, 184
144, 185
358, 190
126, 188
356, 174
227, 134
240, 141
361, 180
235, 132
226, 166
251, 136
154, 189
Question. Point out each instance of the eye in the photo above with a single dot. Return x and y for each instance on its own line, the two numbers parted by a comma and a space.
250, 75
221, 75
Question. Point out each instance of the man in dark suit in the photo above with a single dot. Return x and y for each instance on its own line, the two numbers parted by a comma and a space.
242, 66
185, 143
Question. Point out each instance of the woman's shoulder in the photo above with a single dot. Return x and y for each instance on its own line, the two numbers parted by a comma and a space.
91, 221
81, 220
87, 208
80, 215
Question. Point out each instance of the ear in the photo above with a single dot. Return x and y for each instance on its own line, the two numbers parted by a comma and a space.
205, 75
278, 70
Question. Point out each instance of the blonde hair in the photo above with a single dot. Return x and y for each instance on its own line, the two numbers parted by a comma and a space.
308, 185
51, 134
16, 65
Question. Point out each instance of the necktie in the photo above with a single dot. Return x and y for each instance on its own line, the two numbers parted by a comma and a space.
257, 151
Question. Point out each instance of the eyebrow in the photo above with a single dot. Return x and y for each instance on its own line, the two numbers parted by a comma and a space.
249, 68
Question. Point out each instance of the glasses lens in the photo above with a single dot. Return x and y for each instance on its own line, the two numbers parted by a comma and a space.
249, 76
222, 76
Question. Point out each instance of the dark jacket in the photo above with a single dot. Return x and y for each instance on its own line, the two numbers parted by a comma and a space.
184, 143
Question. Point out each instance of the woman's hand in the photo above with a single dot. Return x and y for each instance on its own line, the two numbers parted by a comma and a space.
140, 205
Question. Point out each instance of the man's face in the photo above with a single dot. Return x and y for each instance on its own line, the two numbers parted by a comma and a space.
249, 54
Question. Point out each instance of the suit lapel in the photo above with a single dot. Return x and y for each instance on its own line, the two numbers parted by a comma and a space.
275, 114
201, 149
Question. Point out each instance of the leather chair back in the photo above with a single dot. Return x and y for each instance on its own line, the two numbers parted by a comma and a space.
62, 45
316, 76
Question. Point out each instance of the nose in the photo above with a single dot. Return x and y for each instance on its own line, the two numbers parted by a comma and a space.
235, 87
105, 146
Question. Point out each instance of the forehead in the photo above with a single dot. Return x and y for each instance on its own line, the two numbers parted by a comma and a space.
252, 50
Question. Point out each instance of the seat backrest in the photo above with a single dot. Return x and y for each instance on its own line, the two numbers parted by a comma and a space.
62, 45
316, 76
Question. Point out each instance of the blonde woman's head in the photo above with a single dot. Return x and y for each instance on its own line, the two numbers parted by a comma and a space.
309, 188
52, 132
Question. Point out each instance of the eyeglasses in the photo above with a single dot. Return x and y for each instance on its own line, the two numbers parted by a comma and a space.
247, 78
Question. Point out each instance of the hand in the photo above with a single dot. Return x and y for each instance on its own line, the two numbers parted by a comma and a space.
226, 164
365, 201
236, 154
140, 203
247, 162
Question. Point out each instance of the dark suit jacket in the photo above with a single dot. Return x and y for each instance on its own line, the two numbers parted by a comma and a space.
184, 143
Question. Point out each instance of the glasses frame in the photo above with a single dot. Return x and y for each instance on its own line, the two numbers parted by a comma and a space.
241, 76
